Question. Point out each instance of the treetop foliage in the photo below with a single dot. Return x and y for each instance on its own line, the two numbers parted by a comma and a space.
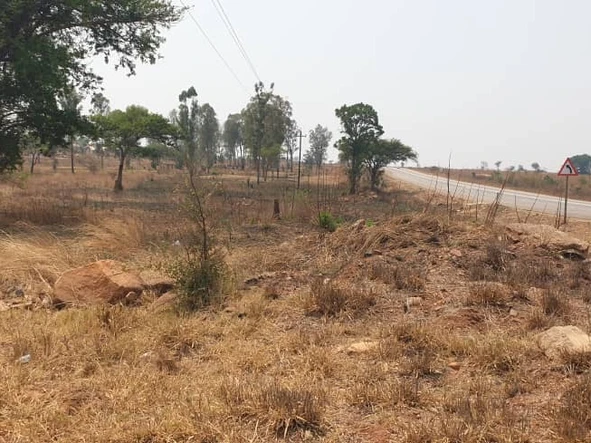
45, 46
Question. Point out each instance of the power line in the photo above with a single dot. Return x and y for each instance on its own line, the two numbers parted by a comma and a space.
214, 47
222, 13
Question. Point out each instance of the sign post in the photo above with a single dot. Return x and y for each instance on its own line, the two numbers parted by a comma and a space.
567, 170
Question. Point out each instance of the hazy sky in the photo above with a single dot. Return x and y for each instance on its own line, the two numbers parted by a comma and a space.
484, 80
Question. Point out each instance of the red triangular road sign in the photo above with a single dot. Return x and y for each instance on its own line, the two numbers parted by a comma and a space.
568, 168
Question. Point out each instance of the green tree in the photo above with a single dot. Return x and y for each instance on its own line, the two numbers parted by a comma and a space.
100, 105
44, 48
233, 139
266, 120
125, 129
186, 120
319, 138
69, 101
209, 135
155, 151
291, 141
583, 163
360, 128
383, 152
536, 166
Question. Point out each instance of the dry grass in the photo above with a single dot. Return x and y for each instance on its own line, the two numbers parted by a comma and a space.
328, 299
273, 362
573, 417
488, 294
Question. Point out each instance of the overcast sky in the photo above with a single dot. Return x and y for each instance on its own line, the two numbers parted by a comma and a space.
484, 80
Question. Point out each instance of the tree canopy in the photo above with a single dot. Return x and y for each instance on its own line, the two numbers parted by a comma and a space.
209, 134
45, 46
233, 138
320, 138
125, 129
360, 128
266, 121
583, 163
186, 120
381, 154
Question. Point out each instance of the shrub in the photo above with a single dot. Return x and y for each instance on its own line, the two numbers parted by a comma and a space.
199, 282
327, 221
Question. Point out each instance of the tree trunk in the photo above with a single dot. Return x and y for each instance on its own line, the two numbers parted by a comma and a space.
353, 178
72, 155
119, 179
258, 160
276, 210
33, 160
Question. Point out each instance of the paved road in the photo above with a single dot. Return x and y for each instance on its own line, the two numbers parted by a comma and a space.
486, 194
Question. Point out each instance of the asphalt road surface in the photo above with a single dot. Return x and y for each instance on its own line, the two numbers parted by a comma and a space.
475, 192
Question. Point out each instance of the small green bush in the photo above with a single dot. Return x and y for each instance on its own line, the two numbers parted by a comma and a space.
327, 221
200, 282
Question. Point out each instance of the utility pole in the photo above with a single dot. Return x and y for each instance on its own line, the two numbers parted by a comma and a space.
300, 136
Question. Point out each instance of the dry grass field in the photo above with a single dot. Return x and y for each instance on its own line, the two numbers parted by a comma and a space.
403, 325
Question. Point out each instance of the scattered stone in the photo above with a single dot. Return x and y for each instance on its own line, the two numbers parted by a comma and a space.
362, 347
547, 237
156, 282
24, 359
513, 312
104, 281
164, 302
456, 253
563, 339
454, 365
368, 254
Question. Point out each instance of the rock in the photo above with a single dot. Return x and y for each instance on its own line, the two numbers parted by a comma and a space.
513, 312
454, 365
362, 347
456, 253
547, 237
563, 339
164, 302
24, 359
156, 282
104, 281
